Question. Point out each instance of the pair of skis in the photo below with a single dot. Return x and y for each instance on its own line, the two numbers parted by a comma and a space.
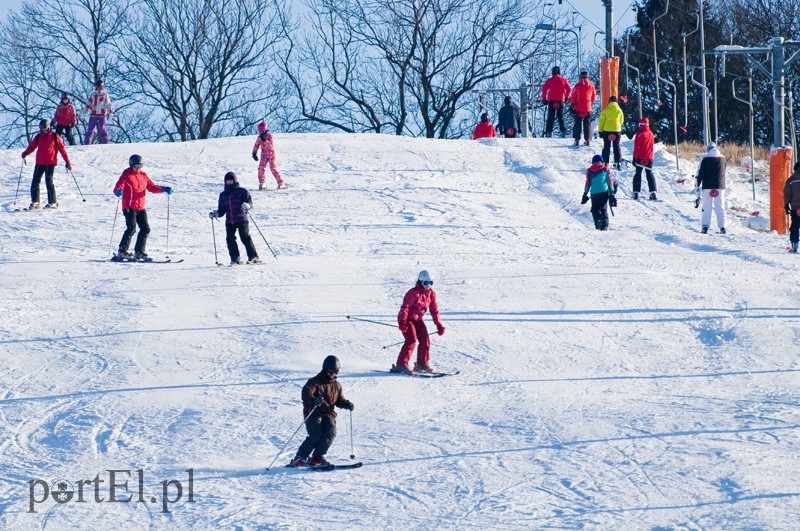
329, 466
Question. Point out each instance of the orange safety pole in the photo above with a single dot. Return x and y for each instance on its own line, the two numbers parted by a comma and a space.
609, 79
780, 165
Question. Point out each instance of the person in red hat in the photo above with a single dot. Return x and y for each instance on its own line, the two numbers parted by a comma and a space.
643, 159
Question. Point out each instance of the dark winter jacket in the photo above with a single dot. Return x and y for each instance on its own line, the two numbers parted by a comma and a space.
711, 174
508, 117
48, 145
328, 388
135, 185
599, 180
231, 201
791, 191
416, 302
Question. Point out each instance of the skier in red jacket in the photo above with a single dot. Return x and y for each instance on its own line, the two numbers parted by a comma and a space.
48, 145
555, 93
65, 119
643, 159
581, 101
484, 129
132, 187
416, 302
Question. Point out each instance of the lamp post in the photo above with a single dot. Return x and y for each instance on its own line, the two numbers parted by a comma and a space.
555, 34
554, 29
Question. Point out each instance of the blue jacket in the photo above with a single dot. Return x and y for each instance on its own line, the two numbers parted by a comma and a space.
231, 201
599, 180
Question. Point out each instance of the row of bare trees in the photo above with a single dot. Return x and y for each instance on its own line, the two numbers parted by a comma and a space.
192, 69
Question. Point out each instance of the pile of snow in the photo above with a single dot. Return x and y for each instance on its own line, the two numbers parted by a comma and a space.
644, 377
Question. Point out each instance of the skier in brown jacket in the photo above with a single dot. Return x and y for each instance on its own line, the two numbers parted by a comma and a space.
320, 394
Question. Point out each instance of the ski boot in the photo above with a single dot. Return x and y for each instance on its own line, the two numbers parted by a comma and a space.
236, 261
653, 196
281, 185
404, 369
123, 255
255, 260
636, 195
260, 186
794, 247
704, 230
298, 462
722, 230
34, 206
422, 368
51, 205
316, 460
141, 255
577, 142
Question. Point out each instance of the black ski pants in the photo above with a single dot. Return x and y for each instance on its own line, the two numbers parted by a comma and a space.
794, 228
600, 210
607, 145
321, 433
133, 218
46, 170
67, 130
579, 124
244, 233
555, 110
637, 177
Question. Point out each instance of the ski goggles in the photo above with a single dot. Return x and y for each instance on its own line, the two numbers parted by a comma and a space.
427, 282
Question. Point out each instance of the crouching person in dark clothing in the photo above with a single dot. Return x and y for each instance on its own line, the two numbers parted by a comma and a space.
320, 394
600, 183
234, 203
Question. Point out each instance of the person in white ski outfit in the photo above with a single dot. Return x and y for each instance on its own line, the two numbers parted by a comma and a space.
711, 186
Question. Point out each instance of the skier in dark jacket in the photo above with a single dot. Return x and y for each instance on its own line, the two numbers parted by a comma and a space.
508, 118
234, 203
600, 182
791, 202
320, 394
711, 185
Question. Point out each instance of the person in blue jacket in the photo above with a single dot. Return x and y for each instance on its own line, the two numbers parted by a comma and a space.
234, 203
600, 183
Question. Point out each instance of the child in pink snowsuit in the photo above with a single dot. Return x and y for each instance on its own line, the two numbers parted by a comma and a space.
264, 141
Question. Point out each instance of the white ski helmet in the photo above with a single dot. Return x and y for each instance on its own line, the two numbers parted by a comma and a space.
425, 278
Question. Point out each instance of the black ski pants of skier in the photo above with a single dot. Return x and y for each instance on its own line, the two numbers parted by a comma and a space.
244, 233
637, 177
132, 219
608, 143
584, 124
794, 228
600, 210
321, 433
46, 170
555, 110
67, 130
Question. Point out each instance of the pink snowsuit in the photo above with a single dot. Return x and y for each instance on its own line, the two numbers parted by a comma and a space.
416, 303
264, 141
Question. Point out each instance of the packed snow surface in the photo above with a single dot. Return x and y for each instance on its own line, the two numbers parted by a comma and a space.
641, 378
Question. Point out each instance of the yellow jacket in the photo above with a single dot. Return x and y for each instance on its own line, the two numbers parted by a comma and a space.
611, 118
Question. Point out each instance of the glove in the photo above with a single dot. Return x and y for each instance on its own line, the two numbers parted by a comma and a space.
584, 199
118, 193
318, 401
69, 166
403, 327
167, 190
348, 405
213, 214
23, 156
544, 102
440, 330
612, 200
246, 207
255, 157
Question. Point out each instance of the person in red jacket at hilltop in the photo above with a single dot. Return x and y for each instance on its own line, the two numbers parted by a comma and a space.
416, 302
132, 187
484, 129
555, 93
65, 119
581, 101
643, 159
48, 145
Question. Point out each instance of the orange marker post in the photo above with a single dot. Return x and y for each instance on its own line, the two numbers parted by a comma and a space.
780, 165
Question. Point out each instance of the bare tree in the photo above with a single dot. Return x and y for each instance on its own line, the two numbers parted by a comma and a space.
202, 61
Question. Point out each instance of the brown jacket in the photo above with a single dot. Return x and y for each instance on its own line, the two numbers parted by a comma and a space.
329, 389
791, 191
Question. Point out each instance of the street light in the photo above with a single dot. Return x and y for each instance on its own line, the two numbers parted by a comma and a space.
555, 34
553, 28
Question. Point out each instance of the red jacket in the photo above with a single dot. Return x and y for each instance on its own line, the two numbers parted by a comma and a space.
583, 96
416, 302
643, 145
135, 185
556, 89
484, 130
47, 144
65, 115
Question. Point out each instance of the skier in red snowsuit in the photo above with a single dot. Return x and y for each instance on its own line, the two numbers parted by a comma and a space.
416, 302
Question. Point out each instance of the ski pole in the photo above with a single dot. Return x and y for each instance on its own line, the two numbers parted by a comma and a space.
19, 180
370, 321
214, 236
111, 241
352, 453
76, 185
393, 344
262, 234
292, 437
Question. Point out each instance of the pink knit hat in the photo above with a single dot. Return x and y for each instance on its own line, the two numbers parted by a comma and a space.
262, 127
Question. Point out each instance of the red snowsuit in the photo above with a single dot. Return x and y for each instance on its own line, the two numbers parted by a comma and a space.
264, 141
135, 185
65, 115
416, 302
484, 130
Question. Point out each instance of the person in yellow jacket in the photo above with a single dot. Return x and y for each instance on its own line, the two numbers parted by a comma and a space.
610, 128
